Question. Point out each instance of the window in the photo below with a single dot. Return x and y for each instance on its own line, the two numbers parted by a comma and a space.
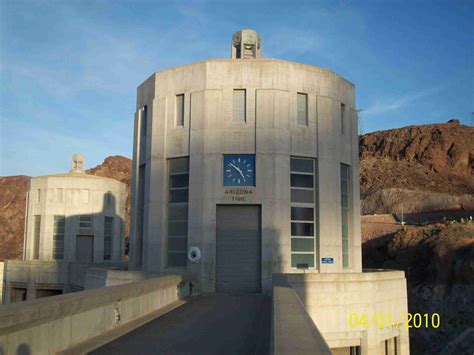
85, 222
140, 211
303, 228
180, 110
178, 211
58, 237
36, 236
108, 235
355, 350
38, 196
143, 133
302, 103
240, 105
343, 110
345, 193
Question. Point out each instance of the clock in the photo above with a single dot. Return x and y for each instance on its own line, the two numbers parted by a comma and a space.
239, 170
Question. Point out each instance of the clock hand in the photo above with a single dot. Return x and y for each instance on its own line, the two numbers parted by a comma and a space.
238, 170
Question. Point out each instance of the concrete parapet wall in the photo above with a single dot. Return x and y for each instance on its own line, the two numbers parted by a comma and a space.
332, 299
53, 324
98, 277
293, 331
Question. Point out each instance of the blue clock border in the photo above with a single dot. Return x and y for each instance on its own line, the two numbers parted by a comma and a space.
227, 158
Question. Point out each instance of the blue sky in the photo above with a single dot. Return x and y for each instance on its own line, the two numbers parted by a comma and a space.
69, 69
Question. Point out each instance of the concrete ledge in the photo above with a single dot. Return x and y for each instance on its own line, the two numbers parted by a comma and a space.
107, 337
293, 331
367, 275
52, 324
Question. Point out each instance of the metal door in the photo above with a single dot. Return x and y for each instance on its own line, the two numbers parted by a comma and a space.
84, 248
238, 249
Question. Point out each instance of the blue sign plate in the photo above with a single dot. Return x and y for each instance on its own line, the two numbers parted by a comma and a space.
327, 260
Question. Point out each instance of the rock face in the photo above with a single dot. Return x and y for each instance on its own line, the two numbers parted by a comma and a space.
438, 261
419, 168
12, 215
13, 202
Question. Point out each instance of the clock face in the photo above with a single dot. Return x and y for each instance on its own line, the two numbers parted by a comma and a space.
239, 170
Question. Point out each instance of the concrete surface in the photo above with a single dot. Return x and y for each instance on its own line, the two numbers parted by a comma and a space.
71, 195
271, 132
52, 324
293, 331
330, 299
208, 324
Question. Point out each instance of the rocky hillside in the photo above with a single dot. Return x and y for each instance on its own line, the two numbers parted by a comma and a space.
12, 215
417, 168
438, 261
13, 202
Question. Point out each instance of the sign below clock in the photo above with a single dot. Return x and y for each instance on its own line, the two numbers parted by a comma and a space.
239, 170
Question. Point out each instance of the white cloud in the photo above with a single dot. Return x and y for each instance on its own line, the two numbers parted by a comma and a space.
387, 105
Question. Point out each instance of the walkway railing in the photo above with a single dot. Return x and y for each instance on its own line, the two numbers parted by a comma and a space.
293, 331
52, 324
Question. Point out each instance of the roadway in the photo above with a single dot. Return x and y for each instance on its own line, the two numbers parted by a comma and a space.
208, 324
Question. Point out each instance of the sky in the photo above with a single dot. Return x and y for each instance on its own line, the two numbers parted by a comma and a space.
69, 69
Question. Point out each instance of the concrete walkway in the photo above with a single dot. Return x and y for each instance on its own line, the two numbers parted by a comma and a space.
212, 324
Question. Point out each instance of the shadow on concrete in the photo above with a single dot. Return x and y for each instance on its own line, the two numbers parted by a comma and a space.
208, 324
52, 276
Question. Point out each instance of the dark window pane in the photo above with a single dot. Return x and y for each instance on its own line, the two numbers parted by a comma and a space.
304, 196
179, 196
177, 259
345, 260
179, 165
344, 201
302, 214
302, 244
302, 165
345, 231
344, 172
298, 180
178, 213
177, 228
302, 229
302, 260
344, 187
179, 180
178, 244
344, 218
345, 245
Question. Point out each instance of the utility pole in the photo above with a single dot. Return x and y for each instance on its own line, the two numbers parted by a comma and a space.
361, 126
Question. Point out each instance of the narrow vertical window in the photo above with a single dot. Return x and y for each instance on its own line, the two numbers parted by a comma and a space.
38, 196
302, 103
36, 236
180, 110
343, 118
178, 211
108, 234
303, 228
345, 193
240, 105
140, 211
143, 133
58, 237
